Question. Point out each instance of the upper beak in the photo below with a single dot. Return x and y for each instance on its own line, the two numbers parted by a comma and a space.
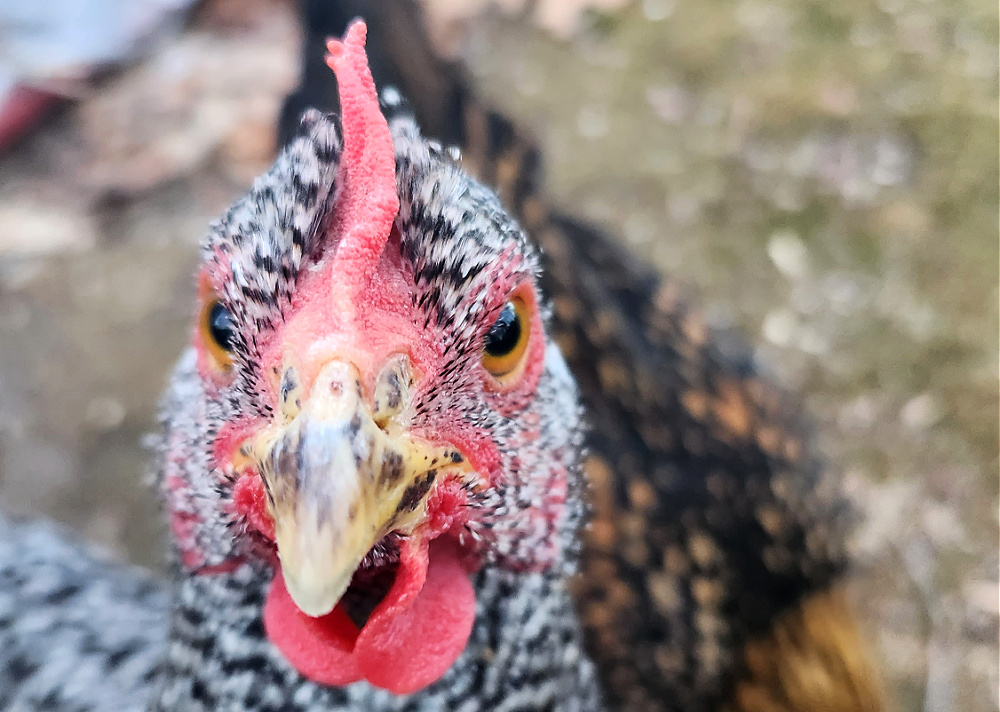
340, 475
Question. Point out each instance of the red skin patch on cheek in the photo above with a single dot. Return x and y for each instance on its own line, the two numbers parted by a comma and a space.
553, 508
191, 559
250, 501
229, 439
249, 497
477, 447
183, 522
445, 509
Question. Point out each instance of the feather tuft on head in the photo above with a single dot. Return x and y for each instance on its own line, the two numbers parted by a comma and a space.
368, 202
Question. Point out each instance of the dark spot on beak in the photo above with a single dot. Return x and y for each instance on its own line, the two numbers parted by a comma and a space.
392, 468
415, 492
286, 461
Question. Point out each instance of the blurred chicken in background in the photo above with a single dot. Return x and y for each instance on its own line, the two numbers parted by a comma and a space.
49, 51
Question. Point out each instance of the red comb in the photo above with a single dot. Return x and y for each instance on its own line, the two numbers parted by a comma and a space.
368, 202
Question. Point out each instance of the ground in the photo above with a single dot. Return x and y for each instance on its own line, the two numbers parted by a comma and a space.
824, 175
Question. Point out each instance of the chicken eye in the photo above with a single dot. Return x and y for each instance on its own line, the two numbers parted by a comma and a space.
220, 326
218, 330
507, 340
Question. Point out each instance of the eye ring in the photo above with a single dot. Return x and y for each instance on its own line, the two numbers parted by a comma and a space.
218, 333
506, 342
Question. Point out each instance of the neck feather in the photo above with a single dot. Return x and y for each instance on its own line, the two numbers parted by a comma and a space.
525, 647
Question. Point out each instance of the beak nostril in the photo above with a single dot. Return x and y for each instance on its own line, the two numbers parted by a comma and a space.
391, 388
290, 393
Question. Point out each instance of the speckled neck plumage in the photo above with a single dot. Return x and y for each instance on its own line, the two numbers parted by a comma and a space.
525, 654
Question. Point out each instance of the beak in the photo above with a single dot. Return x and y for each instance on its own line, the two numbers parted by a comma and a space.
340, 475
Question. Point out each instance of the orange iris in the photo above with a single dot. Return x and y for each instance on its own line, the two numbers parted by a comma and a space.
507, 340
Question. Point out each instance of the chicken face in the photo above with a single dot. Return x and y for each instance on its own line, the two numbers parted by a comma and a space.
371, 410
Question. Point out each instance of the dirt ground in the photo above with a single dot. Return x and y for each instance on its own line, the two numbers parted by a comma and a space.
823, 174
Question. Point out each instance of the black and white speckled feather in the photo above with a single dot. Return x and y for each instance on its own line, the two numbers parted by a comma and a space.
268, 237
525, 654
77, 632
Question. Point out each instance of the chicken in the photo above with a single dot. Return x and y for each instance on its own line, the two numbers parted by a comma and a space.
372, 462
713, 571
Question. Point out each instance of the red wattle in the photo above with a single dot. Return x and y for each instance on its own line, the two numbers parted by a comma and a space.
408, 644
319, 648
410, 640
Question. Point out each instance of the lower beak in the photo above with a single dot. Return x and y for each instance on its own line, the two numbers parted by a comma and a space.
338, 481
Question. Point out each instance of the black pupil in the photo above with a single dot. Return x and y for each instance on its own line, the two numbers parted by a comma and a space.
220, 326
503, 336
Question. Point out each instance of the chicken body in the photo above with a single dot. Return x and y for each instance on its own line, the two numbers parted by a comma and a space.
525, 653
76, 632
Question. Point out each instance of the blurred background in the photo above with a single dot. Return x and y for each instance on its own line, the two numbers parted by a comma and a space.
824, 175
